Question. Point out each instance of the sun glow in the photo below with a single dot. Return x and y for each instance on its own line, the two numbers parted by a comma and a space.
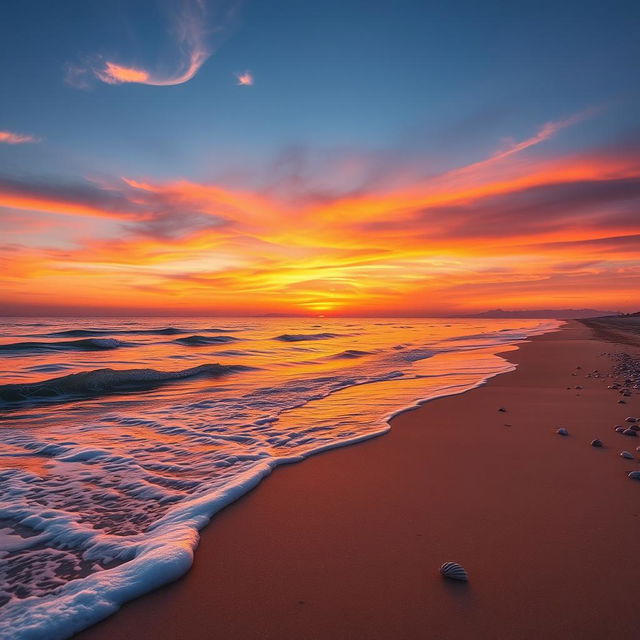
501, 232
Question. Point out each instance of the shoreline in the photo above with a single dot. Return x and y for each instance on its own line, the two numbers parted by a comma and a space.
348, 544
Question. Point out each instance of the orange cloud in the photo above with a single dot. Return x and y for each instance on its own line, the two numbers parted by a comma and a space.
193, 38
245, 79
9, 137
115, 74
521, 232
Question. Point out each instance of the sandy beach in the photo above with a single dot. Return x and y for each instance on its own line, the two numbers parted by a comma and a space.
348, 543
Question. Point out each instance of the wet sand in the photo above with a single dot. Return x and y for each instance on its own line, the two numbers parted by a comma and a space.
348, 543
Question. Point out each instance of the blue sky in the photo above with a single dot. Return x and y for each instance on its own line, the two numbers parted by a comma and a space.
377, 157
439, 79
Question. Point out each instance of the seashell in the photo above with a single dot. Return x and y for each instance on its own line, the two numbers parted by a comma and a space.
629, 432
454, 571
631, 419
626, 454
635, 475
620, 429
596, 443
562, 432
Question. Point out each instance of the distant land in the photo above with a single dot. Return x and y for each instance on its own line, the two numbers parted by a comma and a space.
565, 314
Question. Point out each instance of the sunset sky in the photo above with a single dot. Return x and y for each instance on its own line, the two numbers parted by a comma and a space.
339, 157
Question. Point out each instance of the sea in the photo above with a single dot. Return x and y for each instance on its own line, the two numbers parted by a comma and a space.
121, 438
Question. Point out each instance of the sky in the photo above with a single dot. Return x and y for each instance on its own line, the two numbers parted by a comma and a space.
348, 157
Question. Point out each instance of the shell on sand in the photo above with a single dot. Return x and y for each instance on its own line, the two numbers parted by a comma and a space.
635, 475
454, 571
562, 432
596, 443
626, 454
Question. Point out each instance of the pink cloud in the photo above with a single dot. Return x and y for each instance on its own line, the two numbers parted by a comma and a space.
245, 79
9, 137
192, 36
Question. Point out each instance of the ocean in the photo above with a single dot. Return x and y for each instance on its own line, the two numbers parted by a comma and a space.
121, 438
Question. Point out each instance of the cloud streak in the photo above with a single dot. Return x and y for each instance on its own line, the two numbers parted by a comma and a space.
10, 137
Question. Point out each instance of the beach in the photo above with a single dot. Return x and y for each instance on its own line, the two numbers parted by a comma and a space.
348, 544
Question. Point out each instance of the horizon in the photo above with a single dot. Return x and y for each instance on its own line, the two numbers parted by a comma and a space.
233, 158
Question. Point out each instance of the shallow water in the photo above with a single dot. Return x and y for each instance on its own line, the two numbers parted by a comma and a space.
106, 477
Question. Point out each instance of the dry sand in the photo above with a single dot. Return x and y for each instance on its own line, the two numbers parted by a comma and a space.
348, 543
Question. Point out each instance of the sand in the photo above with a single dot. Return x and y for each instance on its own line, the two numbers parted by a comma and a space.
347, 544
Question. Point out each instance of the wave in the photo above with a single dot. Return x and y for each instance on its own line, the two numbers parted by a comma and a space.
202, 341
104, 381
351, 353
81, 333
299, 337
89, 344
96, 332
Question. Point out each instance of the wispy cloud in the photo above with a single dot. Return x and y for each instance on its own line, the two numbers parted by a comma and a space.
196, 29
245, 79
501, 233
544, 133
10, 137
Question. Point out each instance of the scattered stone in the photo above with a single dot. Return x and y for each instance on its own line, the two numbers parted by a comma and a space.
629, 432
620, 429
626, 454
635, 475
596, 443
502, 409
562, 432
631, 419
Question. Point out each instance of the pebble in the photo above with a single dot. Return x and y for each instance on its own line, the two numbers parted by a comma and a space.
626, 454
596, 443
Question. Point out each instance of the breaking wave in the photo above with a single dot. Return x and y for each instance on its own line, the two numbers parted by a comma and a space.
104, 381
90, 344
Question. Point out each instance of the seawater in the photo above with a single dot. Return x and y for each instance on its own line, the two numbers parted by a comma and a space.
120, 439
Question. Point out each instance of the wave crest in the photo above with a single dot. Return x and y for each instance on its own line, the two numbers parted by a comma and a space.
300, 337
103, 381
89, 344
202, 341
